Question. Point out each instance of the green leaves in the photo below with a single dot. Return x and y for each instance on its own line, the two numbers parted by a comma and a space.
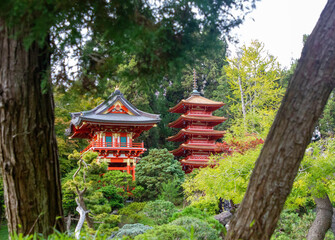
316, 175
253, 77
228, 180
157, 168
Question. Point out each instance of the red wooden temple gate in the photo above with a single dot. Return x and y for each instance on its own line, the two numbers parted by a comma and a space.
111, 129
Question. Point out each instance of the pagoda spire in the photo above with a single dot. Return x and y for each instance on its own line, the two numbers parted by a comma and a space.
195, 91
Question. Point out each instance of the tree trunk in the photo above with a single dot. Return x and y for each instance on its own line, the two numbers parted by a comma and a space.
242, 101
82, 213
82, 205
28, 149
323, 219
68, 223
283, 150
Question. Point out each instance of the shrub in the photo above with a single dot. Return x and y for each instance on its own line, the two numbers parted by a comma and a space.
170, 191
157, 168
160, 211
202, 230
292, 226
190, 212
166, 232
138, 193
109, 192
132, 208
132, 214
209, 206
197, 213
132, 230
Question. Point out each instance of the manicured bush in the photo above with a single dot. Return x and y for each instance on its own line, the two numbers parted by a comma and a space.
115, 201
164, 232
132, 214
211, 207
131, 230
157, 168
202, 230
171, 191
159, 211
132, 208
197, 213
190, 212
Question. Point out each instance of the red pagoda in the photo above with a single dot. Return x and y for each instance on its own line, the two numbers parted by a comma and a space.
111, 129
197, 133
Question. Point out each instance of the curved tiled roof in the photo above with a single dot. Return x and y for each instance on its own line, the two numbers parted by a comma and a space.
207, 119
182, 147
99, 115
195, 100
214, 133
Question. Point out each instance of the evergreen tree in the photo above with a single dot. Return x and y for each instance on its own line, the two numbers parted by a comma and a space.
155, 169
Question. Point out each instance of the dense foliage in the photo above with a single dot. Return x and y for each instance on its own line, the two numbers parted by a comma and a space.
159, 211
293, 226
131, 230
253, 77
228, 180
155, 169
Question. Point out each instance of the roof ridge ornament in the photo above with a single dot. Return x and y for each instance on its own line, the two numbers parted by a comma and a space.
195, 91
117, 90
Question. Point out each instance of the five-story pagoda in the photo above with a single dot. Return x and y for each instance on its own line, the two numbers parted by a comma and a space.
111, 129
197, 133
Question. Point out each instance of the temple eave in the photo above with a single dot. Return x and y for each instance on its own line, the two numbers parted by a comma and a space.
183, 134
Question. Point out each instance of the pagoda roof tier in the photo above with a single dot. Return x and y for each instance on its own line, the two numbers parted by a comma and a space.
186, 133
189, 147
196, 101
209, 120
116, 110
196, 163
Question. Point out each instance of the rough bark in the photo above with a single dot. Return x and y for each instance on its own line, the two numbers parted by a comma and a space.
28, 149
283, 150
323, 219
333, 222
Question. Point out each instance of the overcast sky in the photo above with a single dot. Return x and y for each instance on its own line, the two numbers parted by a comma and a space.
280, 25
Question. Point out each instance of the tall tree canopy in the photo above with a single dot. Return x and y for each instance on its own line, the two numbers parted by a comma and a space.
253, 77
145, 39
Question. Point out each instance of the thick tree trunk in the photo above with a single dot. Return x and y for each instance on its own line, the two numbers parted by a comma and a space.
323, 219
279, 160
28, 150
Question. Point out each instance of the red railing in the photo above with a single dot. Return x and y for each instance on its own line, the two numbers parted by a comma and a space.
198, 158
197, 112
109, 145
200, 142
194, 127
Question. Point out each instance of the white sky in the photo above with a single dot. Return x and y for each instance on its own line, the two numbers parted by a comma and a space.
280, 25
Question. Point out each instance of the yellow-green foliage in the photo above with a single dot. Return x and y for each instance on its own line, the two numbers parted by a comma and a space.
209, 206
229, 180
253, 74
315, 176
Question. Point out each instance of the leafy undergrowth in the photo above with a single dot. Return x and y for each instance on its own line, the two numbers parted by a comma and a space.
3, 232
292, 226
